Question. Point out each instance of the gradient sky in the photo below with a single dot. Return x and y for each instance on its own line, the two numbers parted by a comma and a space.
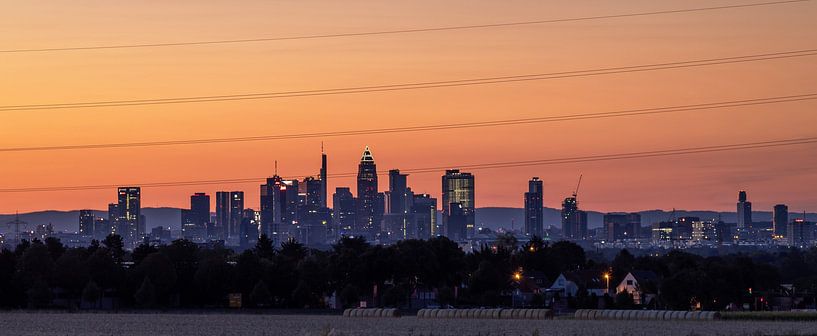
701, 181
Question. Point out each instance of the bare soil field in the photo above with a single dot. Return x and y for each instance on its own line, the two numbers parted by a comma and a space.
65, 324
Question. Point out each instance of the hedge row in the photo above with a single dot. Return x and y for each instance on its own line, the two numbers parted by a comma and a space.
495, 314
371, 312
597, 314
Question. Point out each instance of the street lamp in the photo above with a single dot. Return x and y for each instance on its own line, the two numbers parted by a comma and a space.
607, 277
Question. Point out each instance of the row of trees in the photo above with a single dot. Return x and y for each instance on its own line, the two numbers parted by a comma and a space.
45, 273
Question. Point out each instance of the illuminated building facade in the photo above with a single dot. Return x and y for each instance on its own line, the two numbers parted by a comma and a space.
458, 196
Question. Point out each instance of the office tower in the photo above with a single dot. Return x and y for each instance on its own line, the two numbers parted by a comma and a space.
622, 226
314, 219
344, 214
248, 229
86, 223
323, 178
458, 199
683, 228
113, 218
102, 228
424, 215
196, 220
313, 192
780, 221
273, 199
800, 232
369, 201
279, 208
399, 199
704, 231
129, 215
229, 212
534, 212
574, 221
744, 211
236, 213
223, 213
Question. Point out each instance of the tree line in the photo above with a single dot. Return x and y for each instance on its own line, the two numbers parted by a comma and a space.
46, 274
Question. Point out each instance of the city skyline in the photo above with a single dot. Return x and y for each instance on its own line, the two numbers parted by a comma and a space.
699, 181
347, 180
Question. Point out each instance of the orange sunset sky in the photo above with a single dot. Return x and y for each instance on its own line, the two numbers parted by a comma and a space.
700, 181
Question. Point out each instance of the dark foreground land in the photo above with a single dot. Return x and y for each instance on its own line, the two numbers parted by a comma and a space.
68, 324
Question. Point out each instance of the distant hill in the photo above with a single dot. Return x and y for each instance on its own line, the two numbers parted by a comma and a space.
491, 217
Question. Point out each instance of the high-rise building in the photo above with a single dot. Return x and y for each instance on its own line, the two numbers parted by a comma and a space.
229, 213
87, 220
399, 200
196, 220
458, 194
102, 228
622, 226
314, 219
744, 211
534, 208
574, 221
344, 212
800, 232
780, 221
279, 208
424, 215
369, 200
113, 220
704, 231
129, 215
248, 230
323, 178
223, 213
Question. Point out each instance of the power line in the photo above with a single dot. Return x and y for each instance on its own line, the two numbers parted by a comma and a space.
437, 127
475, 166
399, 31
418, 85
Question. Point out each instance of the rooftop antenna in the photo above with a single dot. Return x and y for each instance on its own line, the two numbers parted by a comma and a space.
276, 167
322, 151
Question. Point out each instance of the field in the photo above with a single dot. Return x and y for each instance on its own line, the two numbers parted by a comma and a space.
53, 324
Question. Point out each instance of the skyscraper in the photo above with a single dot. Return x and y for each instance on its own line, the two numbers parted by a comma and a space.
314, 219
424, 215
780, 221
574, 221
458, 204
229, 212
279, 204
534, 212
248, 229
399, 200
744, 211
129, 215
87, 220
344, 214
196, 220
323, 177
369, 210
223, 213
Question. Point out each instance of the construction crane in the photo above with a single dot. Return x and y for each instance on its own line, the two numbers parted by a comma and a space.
576, 192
